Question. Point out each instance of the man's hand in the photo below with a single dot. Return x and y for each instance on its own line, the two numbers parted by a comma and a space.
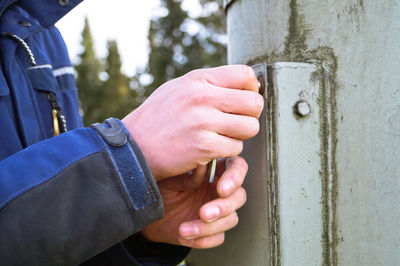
193, 119
198, 213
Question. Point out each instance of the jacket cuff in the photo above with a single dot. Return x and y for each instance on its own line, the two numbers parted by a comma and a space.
133, 171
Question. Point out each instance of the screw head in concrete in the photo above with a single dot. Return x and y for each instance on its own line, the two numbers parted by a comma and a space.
302, 108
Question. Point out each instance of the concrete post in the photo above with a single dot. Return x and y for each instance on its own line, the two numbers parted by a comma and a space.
324, 187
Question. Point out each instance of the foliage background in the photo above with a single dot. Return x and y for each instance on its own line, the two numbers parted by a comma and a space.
179, 42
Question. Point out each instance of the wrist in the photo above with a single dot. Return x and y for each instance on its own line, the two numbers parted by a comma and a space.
129, 123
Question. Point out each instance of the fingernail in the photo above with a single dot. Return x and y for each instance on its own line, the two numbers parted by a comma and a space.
189, 231
212, 213
228, 187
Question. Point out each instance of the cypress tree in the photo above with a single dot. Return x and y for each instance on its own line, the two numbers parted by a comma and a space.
119, 99
87, 80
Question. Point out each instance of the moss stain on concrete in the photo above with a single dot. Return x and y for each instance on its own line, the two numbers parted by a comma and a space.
355, 11
295, 44
273, 188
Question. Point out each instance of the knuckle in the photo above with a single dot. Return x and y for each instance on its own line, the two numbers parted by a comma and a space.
230, 208
194, 74
259, 103
254, 127
248, 72
235, 148
217, 240
237, 178
236, 175
199, 97
203, 243
203, 162
221, 239
226, 207
257, 127
200, 122
242, 163
207, 145
239, 147
243, 194
235, 219
210, 242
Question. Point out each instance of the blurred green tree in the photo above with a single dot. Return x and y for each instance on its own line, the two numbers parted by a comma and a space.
119, 98
108, 96
180, 42
88, 81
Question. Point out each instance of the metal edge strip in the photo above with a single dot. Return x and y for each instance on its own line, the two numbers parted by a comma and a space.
227, 4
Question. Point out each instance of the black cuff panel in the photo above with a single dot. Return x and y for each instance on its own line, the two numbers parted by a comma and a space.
153, 253
68, 219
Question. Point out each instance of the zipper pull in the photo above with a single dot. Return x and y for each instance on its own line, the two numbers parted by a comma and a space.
55, 123
59, 121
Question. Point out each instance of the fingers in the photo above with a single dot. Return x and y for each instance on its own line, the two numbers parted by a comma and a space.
205, 242
219, 215
189, 181
198, 228
227, 100
223, 207
237, 126
239, 102
205, 235
232, 88
198, 177
233, 177
233, 76
213, 145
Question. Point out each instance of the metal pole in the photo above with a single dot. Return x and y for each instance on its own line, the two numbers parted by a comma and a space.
324, 180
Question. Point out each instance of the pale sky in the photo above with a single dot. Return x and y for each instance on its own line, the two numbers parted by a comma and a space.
127, 21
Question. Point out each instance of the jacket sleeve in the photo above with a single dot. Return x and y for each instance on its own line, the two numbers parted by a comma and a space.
68, 198
137, 251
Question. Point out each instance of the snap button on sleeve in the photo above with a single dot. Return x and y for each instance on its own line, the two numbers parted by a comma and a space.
63, 2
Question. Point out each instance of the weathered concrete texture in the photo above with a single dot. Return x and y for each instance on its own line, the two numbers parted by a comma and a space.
248, 23
365, 38
358, 43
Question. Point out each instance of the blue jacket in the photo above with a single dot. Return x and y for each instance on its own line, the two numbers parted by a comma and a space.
80, 196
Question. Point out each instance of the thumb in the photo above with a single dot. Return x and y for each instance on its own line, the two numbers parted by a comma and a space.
189, 181
200, 175
196, 178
